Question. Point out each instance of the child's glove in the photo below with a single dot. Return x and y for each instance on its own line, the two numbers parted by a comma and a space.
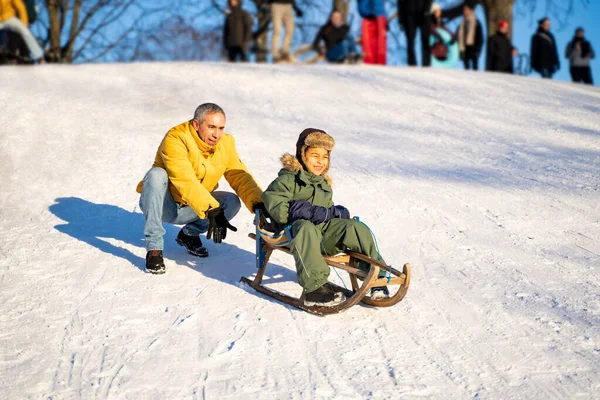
299, 209
322, 214
340, 212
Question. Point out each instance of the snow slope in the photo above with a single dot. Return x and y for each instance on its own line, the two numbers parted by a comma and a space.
487, 184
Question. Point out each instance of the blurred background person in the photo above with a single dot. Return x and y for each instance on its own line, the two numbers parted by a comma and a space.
237, 32
580, 52
282, 15
340, 45
373, 31
544, 54
9, 21
413, 16
442, 42
500, 50
470, 38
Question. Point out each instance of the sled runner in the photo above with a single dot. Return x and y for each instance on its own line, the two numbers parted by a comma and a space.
362, 282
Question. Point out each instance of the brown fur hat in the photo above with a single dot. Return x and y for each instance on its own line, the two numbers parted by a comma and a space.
309, 137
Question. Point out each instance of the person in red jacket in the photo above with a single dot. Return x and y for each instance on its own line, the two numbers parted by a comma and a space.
374, 31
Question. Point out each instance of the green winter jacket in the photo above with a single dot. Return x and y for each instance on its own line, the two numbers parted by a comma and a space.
294, 183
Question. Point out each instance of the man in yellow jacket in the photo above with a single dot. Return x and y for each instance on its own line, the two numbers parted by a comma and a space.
8, 20
180, 188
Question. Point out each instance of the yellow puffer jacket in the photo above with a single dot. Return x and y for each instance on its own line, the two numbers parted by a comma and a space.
194, 169
9, 8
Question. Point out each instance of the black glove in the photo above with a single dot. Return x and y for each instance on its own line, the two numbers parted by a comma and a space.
262, 208
340, 212
218, 225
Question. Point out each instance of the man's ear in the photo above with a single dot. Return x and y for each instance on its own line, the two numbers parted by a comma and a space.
195, 124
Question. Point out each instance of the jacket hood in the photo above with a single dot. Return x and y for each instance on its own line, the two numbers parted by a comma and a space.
291, 163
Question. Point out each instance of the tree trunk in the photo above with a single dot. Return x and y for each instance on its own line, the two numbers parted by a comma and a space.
54, 54
497, 10
73, 32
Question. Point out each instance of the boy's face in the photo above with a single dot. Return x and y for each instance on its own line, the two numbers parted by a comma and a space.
317, 160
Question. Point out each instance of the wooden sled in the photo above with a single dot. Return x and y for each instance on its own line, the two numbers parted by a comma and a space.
267, 242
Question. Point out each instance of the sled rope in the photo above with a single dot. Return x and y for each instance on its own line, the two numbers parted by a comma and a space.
335, 269
388, 275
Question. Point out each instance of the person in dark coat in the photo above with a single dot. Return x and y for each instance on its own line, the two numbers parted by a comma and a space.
413, 16
339, 43
470, 38
500, 51
544, 54
580, 52
237, 32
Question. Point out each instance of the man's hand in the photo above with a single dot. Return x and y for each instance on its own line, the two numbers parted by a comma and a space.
218, 225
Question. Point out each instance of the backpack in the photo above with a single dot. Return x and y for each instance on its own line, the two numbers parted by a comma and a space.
440, 51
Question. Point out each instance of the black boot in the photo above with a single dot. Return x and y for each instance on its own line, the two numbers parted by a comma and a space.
323, 296
192, 244
380, 293
154, 262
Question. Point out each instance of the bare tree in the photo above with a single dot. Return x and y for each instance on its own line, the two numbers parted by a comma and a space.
88, 30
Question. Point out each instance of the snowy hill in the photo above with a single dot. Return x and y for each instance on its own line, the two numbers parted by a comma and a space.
487, 184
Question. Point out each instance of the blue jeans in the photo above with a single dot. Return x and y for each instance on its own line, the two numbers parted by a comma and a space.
341, 50
158, 206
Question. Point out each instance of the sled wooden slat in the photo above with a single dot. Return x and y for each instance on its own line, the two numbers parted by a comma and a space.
360, 289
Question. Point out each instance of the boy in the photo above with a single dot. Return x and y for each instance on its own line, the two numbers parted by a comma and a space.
301, 196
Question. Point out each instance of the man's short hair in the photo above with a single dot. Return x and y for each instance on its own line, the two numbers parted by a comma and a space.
203, 110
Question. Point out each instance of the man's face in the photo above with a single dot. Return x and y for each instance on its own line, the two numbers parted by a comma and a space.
467, 11
233, 3
503, 29
317, 160
546, 25
581, 34
336, 18
211, 129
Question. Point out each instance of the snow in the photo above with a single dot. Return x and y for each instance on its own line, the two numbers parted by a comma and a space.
487, 184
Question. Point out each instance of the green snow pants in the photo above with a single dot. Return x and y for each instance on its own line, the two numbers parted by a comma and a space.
310, 241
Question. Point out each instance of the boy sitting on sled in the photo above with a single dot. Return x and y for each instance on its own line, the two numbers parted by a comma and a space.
301, 197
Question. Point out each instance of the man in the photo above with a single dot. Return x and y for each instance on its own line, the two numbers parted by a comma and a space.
180, 186
8, 20
580, 52
500, 50
282, 14
237, 32
544, 55
470, 38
